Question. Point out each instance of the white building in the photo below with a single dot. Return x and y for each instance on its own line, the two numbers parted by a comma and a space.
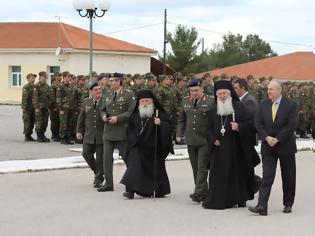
53, 47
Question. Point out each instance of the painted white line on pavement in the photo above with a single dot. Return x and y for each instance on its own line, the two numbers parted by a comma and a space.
78, 161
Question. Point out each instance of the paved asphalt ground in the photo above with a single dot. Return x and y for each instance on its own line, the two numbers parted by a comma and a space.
63, 202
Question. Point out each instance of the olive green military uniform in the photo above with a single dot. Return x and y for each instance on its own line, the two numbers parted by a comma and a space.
192, 124
28, 110
114, 136
91, 125
41, 102
54, 112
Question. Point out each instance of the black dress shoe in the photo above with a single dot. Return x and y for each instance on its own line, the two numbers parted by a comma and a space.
196, 197
97, 184
287, 209
29, 139
67, 142
105, 189
259, 210
40, 140
242, 204
129, 195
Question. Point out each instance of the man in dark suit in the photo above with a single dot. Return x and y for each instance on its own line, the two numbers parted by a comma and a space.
275, 122
250, 102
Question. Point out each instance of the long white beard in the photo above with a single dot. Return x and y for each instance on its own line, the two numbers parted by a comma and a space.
225, 108
146, 111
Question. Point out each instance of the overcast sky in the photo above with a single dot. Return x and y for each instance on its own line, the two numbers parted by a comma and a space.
291, 21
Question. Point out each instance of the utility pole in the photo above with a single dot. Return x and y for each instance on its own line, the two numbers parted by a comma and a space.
202, 45
165, 42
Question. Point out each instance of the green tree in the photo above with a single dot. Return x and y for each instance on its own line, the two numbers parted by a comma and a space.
256, 48
184, 48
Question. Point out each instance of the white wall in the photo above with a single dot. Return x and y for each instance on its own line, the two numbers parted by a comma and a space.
75, 62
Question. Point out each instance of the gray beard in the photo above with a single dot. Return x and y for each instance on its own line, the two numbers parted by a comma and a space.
146, 111
226, 108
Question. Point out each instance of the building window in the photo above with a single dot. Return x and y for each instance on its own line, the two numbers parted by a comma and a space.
16, 76
52, 70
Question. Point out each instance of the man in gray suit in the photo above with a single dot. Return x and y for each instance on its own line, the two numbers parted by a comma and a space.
249, 101
117, 106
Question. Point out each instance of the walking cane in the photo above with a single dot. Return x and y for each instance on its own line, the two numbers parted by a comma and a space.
155, 150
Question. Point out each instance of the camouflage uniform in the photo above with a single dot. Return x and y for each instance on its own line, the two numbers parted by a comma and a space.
75, 107
64, 94
169, 98
41, 105
28, 111
54, 112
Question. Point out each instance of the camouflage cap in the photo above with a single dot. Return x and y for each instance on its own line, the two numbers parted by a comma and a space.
31, 75
206, 75
80, 77
65, 73
42, 73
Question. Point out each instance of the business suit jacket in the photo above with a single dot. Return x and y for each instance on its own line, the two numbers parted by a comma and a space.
282, 128
250, 103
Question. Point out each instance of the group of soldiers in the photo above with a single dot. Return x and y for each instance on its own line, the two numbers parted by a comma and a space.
62, 100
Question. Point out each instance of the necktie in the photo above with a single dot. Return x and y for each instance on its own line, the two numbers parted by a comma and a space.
274, 110
95, 104
115, 95
195, 103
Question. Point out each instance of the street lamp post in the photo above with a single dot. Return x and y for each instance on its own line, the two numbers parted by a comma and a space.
88, 8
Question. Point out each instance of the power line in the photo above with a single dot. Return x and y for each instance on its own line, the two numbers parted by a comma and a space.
134, 28
270, 41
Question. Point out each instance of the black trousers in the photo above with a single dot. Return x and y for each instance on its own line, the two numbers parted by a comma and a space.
288, 174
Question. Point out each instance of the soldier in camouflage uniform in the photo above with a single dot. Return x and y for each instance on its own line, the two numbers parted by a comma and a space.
182, 88
75, 105
151, 82
41, 104
168, 97
82, 85
139, 83
208, 85
64, 96
54, 112
193, 127
28, 109
303, 115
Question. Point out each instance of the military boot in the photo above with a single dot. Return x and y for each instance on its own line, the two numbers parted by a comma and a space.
46, 140
40, 138
29, 138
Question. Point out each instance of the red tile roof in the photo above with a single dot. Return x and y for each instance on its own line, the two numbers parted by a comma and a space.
294, 66
52, 35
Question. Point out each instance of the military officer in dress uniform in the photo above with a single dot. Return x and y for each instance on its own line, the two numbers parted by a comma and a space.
116, 108
90, 128
193, 127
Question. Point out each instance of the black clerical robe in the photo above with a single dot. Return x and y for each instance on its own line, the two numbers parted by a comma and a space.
232, 163
141, 168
